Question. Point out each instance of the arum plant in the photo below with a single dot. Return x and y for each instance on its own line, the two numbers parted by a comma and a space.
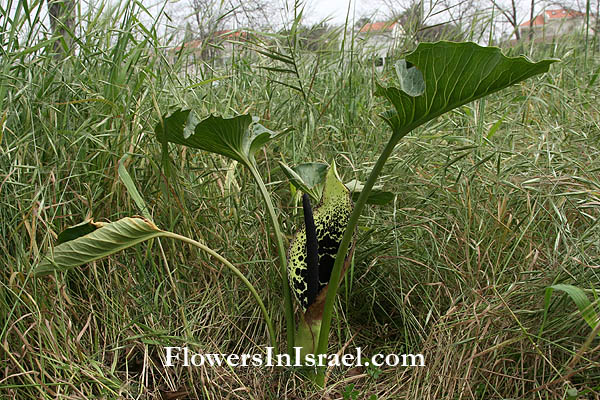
312, 254
434, 79
238, 138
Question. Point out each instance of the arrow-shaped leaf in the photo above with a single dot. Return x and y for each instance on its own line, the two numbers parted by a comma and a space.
91, 241
238, 138
452, 74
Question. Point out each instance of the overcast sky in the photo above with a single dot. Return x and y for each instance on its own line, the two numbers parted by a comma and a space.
337, 9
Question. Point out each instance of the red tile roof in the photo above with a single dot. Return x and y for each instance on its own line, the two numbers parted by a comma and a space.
563, 13
192, 44
552, 14
537, 21
386, 26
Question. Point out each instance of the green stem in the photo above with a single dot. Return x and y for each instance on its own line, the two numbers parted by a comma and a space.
239, 274
334, 280
287, 298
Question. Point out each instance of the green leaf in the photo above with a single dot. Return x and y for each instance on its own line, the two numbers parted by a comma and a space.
312, 174
468, 72
581, 301
377, 196
238, 138
78, 248
276, 69
259, 137
173, 125
308, 177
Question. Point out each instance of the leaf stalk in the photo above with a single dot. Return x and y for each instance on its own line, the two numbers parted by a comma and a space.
287, 298
334, 279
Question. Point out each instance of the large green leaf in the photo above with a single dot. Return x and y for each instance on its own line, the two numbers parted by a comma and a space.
238, 138
177, 124
174, 125
452, 74
91, 241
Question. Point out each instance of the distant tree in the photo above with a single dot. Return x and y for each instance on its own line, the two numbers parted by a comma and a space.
214, 16
62, 20
413, 19
445, 31
464, 19
362, 21
531, 19
413, 15
510, 13
318, 37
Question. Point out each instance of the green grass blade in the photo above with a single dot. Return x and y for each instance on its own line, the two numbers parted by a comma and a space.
131, 189
580, 299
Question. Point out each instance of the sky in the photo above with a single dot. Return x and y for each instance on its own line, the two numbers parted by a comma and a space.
334, 11
318, 10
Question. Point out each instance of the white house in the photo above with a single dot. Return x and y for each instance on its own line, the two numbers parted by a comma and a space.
379, 39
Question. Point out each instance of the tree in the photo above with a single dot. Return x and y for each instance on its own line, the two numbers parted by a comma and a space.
414, 20
62, 21
510, 14
531, 19
445, 31
410, 16
464, 19
213, 17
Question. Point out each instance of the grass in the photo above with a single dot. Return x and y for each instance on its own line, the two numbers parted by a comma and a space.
494, 204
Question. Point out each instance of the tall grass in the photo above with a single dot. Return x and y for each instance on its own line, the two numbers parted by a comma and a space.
493, 205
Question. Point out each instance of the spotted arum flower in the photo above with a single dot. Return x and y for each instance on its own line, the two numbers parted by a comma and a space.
312, 254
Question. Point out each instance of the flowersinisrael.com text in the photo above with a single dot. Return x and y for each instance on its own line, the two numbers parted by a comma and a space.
175, 356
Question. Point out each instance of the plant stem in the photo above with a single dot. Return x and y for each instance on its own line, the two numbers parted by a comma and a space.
239, 274
334, 279
287, 298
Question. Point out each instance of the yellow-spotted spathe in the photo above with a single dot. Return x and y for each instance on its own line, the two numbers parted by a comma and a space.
331, 218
